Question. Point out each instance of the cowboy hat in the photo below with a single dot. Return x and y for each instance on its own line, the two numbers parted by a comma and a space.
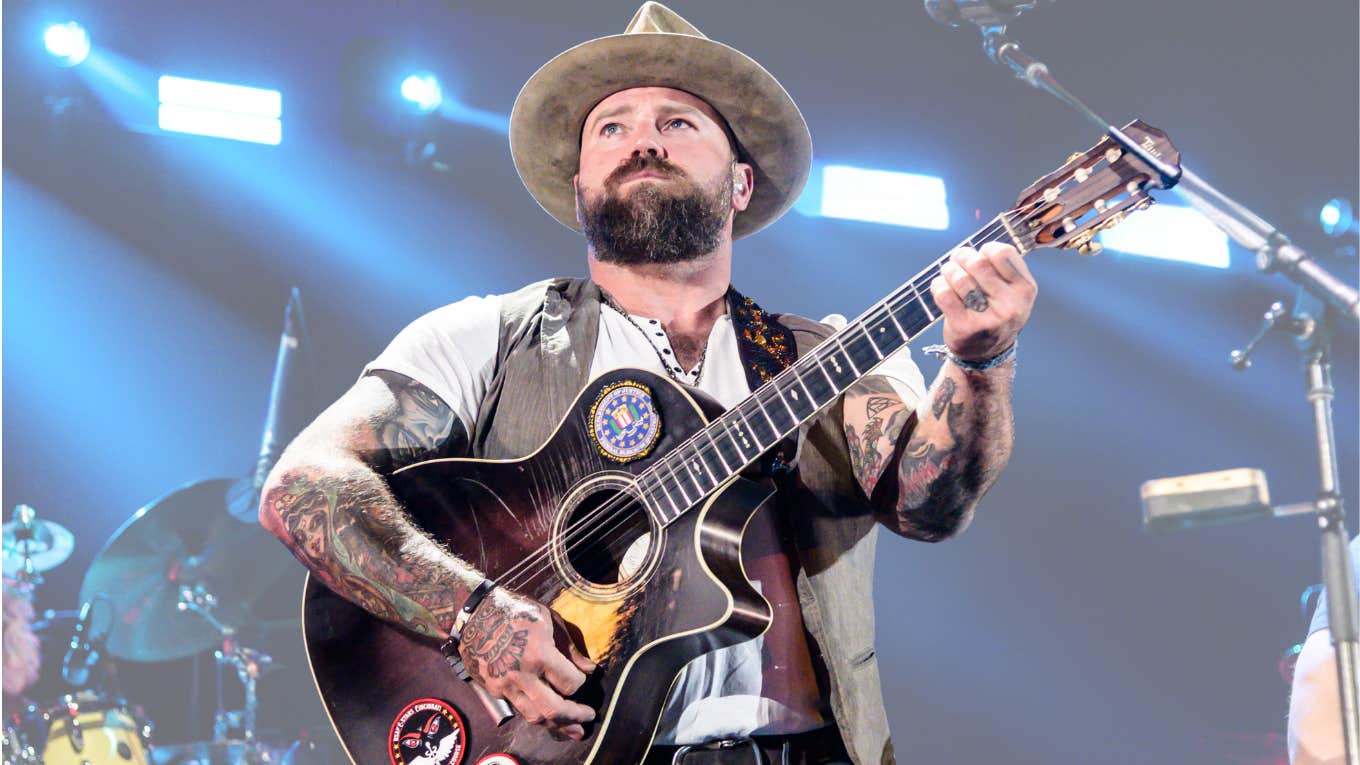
659, 49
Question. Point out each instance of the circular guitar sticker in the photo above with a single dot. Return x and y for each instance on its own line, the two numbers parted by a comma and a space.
427, 732
624, 422
499, 758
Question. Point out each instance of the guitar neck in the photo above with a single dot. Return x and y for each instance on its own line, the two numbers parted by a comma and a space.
692, 470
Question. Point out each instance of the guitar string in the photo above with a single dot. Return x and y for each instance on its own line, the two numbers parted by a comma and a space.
587, 525
586, 529
1002, 224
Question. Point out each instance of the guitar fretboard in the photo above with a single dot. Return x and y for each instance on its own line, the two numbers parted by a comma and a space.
688, 473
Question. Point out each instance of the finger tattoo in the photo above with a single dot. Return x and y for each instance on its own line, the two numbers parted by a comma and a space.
976, 300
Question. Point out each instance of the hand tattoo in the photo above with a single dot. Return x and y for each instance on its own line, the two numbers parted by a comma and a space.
493, 647
976, 300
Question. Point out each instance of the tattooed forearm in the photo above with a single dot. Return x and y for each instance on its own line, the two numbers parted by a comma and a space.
350, 533
955, 452
326, 501
874, 419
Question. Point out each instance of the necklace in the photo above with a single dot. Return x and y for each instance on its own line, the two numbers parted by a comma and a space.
670, 371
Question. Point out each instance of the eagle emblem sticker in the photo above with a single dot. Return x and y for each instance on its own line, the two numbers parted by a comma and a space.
624, 422
427, 732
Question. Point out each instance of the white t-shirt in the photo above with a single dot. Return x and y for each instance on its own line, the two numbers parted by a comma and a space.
452, 351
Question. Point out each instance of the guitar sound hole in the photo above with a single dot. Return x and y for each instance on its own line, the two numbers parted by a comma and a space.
606, 537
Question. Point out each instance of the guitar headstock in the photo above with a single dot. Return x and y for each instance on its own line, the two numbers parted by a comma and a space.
1093, 191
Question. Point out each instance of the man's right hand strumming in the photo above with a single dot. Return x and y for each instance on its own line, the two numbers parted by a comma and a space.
520, 651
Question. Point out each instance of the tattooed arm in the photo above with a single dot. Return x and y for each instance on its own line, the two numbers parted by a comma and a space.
926, 470
327, 501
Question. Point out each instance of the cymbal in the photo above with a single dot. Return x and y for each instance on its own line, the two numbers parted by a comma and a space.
44, 543
184, 540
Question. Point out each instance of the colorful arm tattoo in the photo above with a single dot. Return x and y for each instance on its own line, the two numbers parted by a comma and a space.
337, 516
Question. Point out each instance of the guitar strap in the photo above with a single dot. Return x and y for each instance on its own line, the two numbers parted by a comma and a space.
766, 347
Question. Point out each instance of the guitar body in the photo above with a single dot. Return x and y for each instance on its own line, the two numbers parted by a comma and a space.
644, 606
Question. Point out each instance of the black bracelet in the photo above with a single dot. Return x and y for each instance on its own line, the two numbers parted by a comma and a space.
450, 647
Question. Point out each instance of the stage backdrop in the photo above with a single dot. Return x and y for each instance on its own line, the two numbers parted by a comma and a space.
145, 275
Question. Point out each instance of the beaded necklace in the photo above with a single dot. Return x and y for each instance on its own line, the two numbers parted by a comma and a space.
670, 371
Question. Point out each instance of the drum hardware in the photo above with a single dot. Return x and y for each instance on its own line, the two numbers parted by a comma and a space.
249, 665
30, 546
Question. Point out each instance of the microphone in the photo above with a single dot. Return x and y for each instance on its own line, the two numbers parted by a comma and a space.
984, 13
85, 650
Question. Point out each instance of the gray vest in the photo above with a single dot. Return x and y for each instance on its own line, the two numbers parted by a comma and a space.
547, 341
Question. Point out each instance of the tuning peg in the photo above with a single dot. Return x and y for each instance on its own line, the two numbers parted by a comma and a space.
1112, 154
1091, 248
1081, 174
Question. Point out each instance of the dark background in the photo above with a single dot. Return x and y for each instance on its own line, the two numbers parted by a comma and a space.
145, 274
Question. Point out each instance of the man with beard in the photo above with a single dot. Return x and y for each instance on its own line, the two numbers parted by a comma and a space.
662, 146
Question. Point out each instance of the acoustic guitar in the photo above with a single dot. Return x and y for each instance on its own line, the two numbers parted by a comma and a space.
628, 521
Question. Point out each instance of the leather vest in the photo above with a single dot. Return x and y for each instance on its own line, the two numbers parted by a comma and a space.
547, 341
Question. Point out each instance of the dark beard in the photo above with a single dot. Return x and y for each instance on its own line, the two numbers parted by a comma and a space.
655, 224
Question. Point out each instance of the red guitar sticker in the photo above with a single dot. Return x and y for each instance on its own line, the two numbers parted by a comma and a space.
427, 732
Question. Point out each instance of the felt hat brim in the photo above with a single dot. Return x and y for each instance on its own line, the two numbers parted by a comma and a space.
546, 121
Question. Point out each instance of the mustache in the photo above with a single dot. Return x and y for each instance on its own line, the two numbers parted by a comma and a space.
640, 162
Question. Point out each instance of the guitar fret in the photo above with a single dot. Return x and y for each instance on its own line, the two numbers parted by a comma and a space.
846, 354
679, 484
734, 436
783, 401
801, 384
827, 375
905, 335
750, 434
922, 301
718, 451
872, 344
695, 479
667, 494
774, 429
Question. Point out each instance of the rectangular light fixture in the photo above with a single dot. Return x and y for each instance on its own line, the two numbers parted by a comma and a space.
220, 110
883, 196
1170, 233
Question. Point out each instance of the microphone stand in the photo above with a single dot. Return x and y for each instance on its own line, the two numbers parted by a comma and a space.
1274, 253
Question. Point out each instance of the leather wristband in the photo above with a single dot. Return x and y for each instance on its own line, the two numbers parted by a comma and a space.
450, 646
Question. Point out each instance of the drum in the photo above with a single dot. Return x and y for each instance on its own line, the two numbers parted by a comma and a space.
88, 727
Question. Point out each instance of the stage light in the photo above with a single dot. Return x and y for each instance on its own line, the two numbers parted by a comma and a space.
1337, 217
220, 110
1170, 233
422, 89
69, 43
882, 196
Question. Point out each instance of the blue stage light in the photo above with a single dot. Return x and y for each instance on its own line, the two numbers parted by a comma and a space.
422, 89
220, 110
1337, 217
1170, 233
882, 196
69, 43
